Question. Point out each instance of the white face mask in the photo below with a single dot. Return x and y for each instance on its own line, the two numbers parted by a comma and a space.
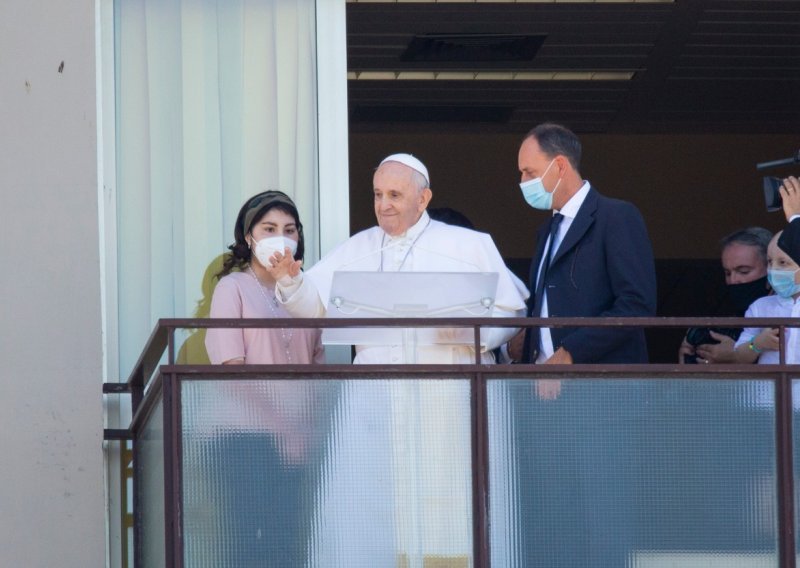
268, 246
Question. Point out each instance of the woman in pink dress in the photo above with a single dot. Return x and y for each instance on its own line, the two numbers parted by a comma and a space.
267, 223
261, 455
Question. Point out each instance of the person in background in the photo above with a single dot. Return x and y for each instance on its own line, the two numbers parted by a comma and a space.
744, 261
761, 344
451, 217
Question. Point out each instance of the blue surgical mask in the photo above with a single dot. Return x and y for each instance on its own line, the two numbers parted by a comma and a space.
782, 281
534, 192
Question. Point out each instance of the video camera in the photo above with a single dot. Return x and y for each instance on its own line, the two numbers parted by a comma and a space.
772, 184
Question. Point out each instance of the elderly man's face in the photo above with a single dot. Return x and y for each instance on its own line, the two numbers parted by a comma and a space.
742, 264
398, 202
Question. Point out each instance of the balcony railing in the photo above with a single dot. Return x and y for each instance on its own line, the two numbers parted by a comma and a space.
462, 465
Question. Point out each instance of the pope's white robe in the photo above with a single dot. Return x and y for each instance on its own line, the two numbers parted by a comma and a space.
427, 425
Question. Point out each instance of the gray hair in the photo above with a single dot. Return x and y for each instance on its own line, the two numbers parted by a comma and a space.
555, 140
418, 180
757, 237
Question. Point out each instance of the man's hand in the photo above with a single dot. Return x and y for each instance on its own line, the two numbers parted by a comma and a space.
790, 194
721, 352
550, 389
282, 265
685, 349
560, 357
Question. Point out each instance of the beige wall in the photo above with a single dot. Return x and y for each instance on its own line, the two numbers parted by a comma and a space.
692, 189
51, 468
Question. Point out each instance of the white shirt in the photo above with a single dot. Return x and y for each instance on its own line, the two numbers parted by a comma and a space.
762, 394
569, 211
774, 307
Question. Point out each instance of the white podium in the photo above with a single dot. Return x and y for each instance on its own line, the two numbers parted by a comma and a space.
408, 295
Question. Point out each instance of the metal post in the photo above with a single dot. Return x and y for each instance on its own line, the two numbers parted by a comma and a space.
480, 467
785, 462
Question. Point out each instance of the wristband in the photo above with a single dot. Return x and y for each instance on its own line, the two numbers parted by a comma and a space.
753, 347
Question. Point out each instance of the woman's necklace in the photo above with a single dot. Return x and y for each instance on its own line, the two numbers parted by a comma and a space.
286, 335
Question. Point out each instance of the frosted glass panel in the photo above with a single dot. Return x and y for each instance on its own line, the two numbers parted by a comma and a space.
633, 474
796, 444
365, 473
150, 475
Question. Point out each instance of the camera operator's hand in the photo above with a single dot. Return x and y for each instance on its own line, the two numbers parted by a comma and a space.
790, 193
686, 349
721, 352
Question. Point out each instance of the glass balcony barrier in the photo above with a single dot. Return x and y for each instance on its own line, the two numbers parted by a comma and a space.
629, 466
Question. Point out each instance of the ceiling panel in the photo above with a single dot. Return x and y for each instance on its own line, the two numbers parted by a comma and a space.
715, 66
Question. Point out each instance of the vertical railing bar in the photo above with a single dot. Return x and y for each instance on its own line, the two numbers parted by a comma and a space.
137, 392
480, 464
177, 467
785, 469
476, 330
137, 497
169, 489
781, 345
171, 345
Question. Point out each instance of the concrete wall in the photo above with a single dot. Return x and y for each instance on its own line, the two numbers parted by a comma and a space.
51, 460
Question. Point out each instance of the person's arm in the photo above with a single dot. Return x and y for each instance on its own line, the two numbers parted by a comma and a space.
300, 297
226, 345
790, 195
685, 350
493, 337
631, 272
750, 345
722, 352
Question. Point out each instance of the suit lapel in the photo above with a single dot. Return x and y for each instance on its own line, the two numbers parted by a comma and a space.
583, 220
541, 241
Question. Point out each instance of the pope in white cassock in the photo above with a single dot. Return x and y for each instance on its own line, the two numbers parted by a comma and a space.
419, 431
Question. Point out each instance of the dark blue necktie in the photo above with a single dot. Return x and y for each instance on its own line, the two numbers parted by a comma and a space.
534, 334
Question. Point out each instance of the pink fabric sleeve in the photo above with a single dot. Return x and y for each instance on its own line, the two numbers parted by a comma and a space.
225, 344
319, 350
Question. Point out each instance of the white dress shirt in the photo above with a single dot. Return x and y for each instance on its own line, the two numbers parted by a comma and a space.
774, 307
761, 394
569, 211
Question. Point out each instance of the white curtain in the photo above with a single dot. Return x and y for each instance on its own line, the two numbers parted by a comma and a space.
215, 102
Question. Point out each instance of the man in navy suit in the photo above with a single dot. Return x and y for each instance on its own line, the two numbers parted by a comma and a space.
593, 259
601, 261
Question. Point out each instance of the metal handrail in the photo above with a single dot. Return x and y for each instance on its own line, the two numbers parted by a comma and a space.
163, 339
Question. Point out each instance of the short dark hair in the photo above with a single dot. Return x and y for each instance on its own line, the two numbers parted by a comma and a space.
555, 139
757, 237
251, 213
451, 217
